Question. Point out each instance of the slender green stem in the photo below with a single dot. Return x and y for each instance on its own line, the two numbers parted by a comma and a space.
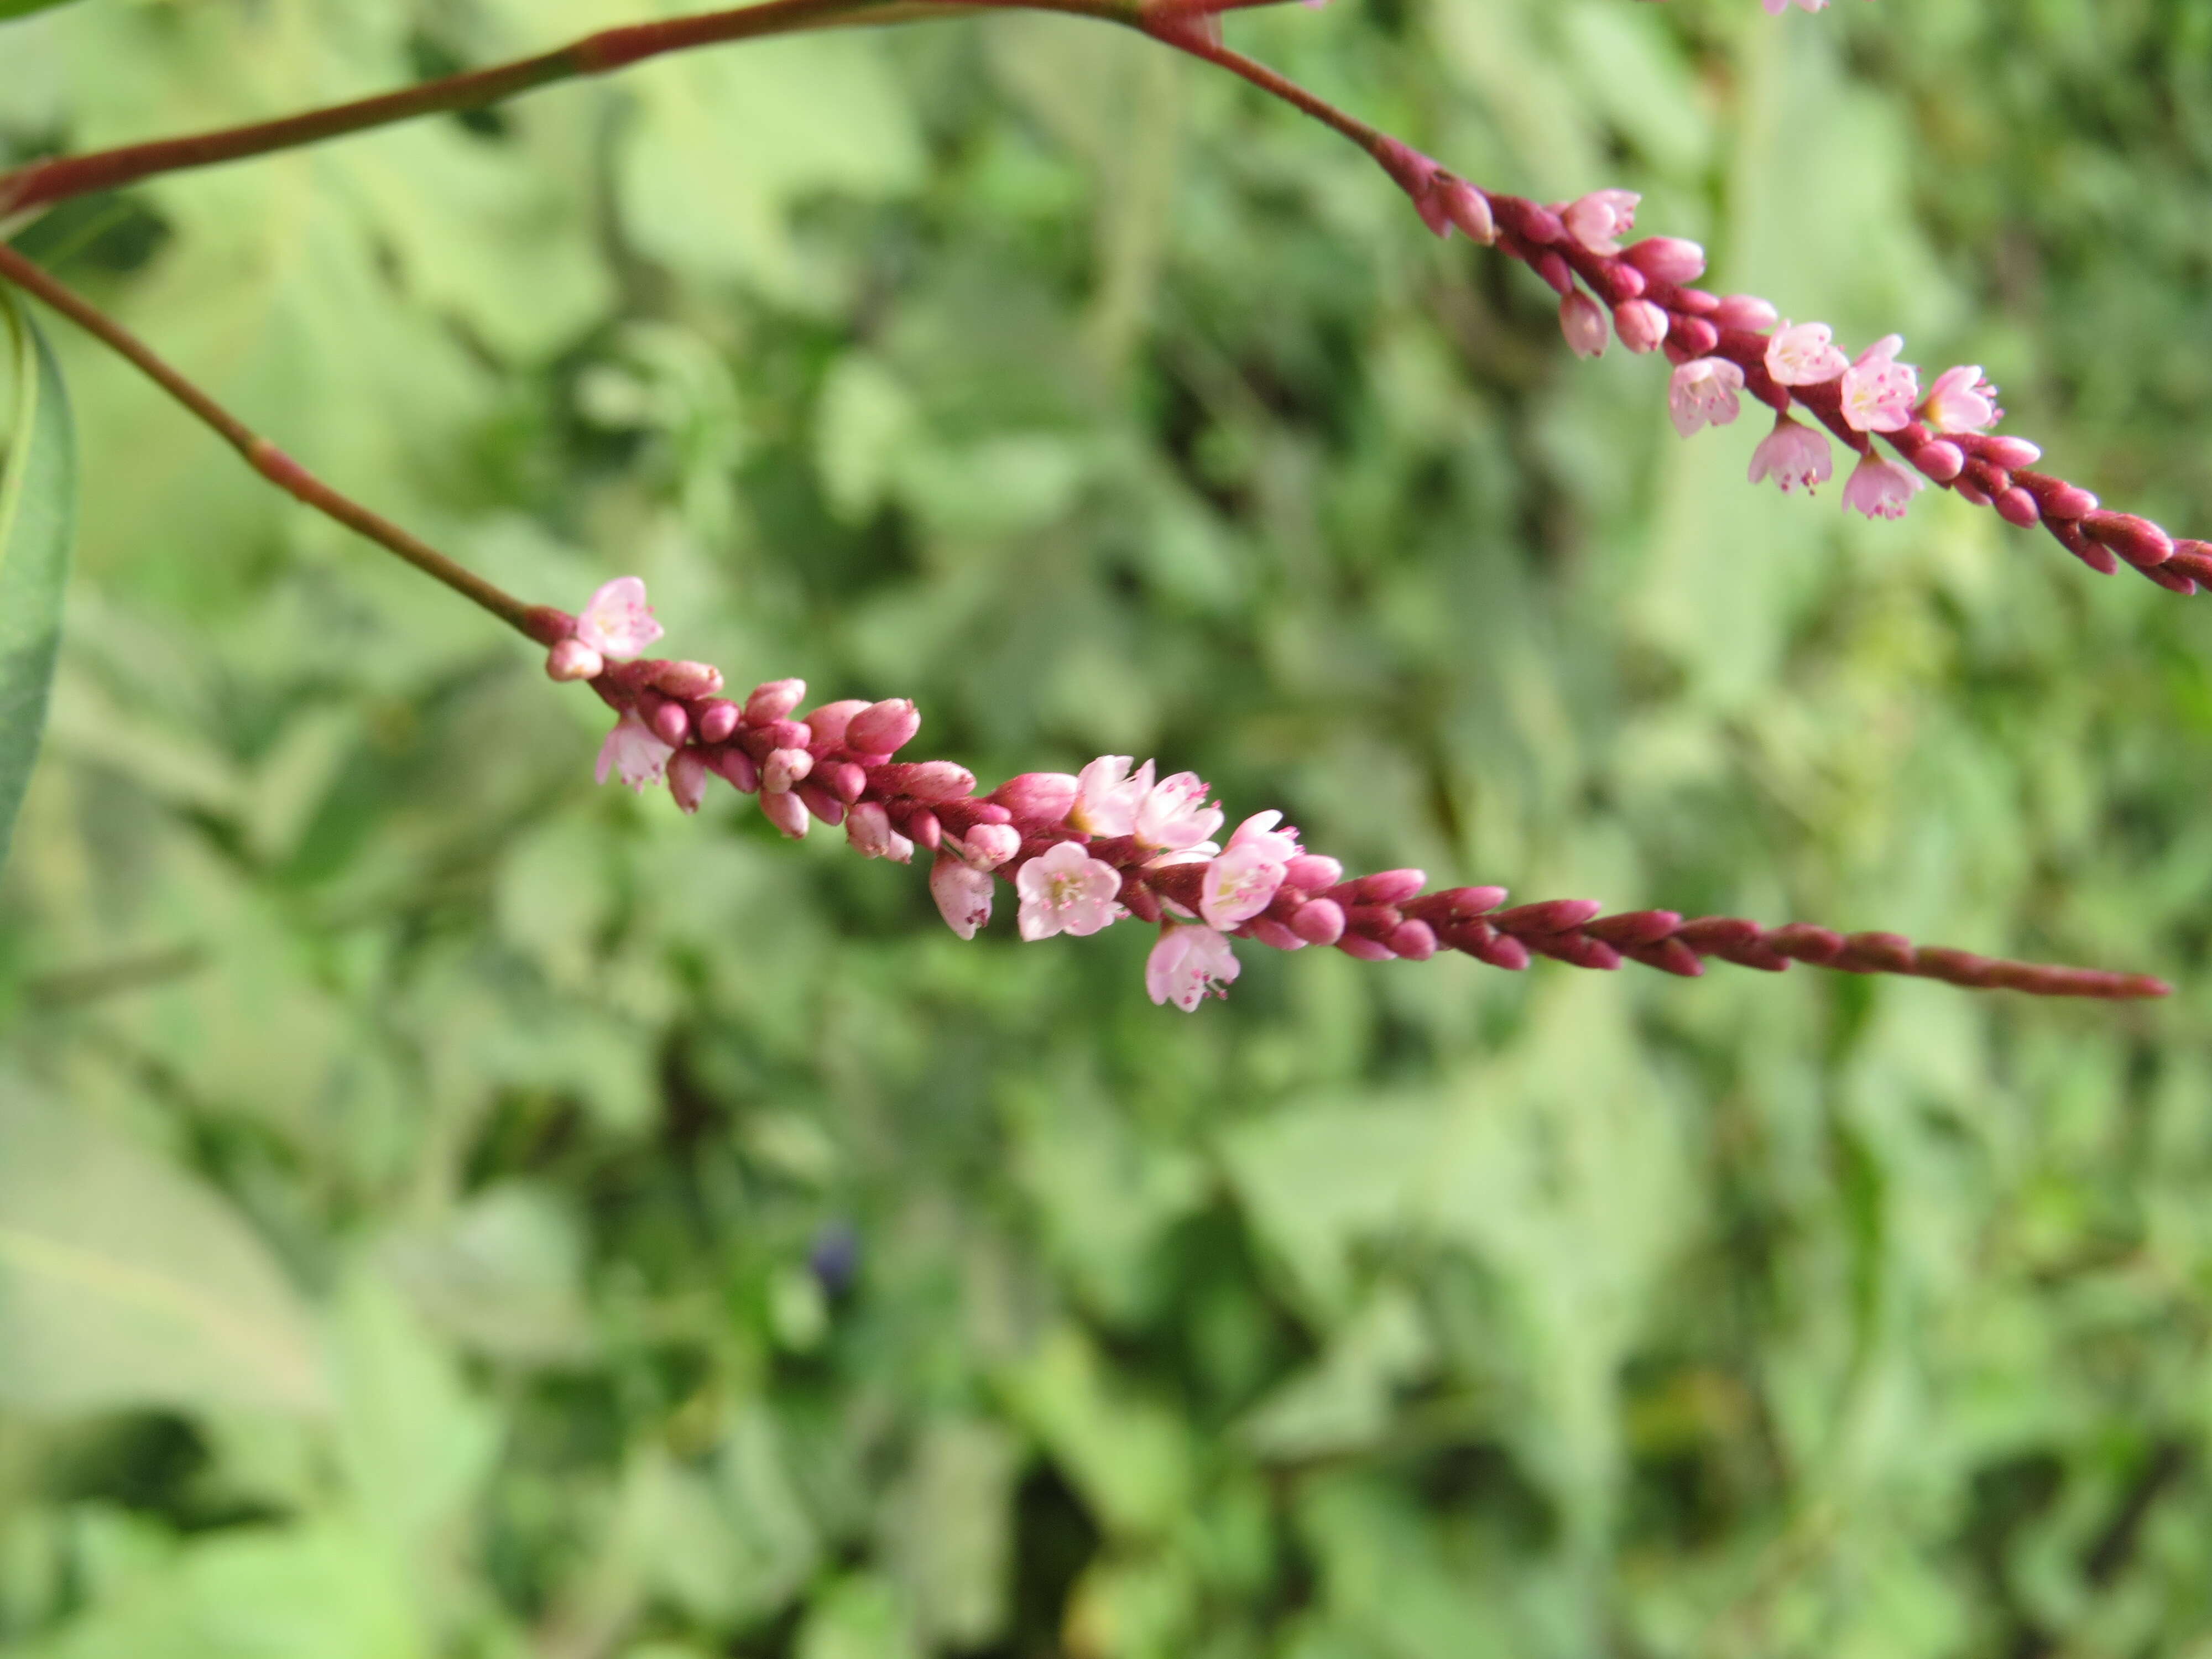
272, 463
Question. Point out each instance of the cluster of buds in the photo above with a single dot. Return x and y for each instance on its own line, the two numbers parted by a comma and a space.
1725, 345
1085, 850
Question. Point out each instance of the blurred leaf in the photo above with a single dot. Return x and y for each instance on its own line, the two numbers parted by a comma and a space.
38, 519
25, 8
124, 1282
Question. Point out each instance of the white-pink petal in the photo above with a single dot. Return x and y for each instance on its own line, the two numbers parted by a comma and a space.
1804, 353
1174, 816
633, 751
1703, 392
1065, 890
1108, 795
617, 622
1187, 965
962, 895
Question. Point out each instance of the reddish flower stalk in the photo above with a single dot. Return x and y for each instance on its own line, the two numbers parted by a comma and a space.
1085, 852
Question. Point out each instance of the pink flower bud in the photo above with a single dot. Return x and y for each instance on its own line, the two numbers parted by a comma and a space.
784, 767
2017, 506
2066, 500
1695, 338
670, 723
1367, 950
921, 824
2135, 539
1319, 921
988, 846
841, 779
687, 680
1310, 872
1596, 219
2005, 452
962, 895
1413, 940
718, 719
1642, 326
687, 778
786, 811
773, 700
1467, 208
883, 728
1582, 320
739, 768
868, 827
933, 781
1940, 461
1746, 311
1274, 933
1666, 259
820, 802
1553, 268
828, 723
1388, 886
1049, 797
572, 659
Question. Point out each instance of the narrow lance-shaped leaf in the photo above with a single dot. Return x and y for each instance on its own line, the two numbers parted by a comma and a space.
38, 518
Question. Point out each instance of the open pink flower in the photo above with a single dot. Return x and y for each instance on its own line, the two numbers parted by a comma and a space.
1065, 890
1804, 353
1108, 795
617, 622
1880, 489
1174, 816
633, 750
1243, 881
1961, 401
962, 895
1879, 391
1794, 456
1597, 219
1702, 392
1187, 965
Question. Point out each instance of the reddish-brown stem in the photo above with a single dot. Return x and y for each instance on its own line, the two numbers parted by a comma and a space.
42, 184
272, 463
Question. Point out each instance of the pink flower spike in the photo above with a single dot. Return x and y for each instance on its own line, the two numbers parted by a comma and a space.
1174, 816
1065, 890
1880, 489
687, 778
1879, 391
632, 751
1641, 324
1187, 965
1582, 320
572, 659
962, 895
1804, 353
1595, 220
1108, 795
1703, 392
1960, 401
1795, 456
617, 622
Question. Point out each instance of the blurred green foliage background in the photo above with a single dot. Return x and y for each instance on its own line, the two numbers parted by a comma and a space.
448, 1210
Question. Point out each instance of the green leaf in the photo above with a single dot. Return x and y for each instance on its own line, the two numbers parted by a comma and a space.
38, 516
24, 8
125, 1282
